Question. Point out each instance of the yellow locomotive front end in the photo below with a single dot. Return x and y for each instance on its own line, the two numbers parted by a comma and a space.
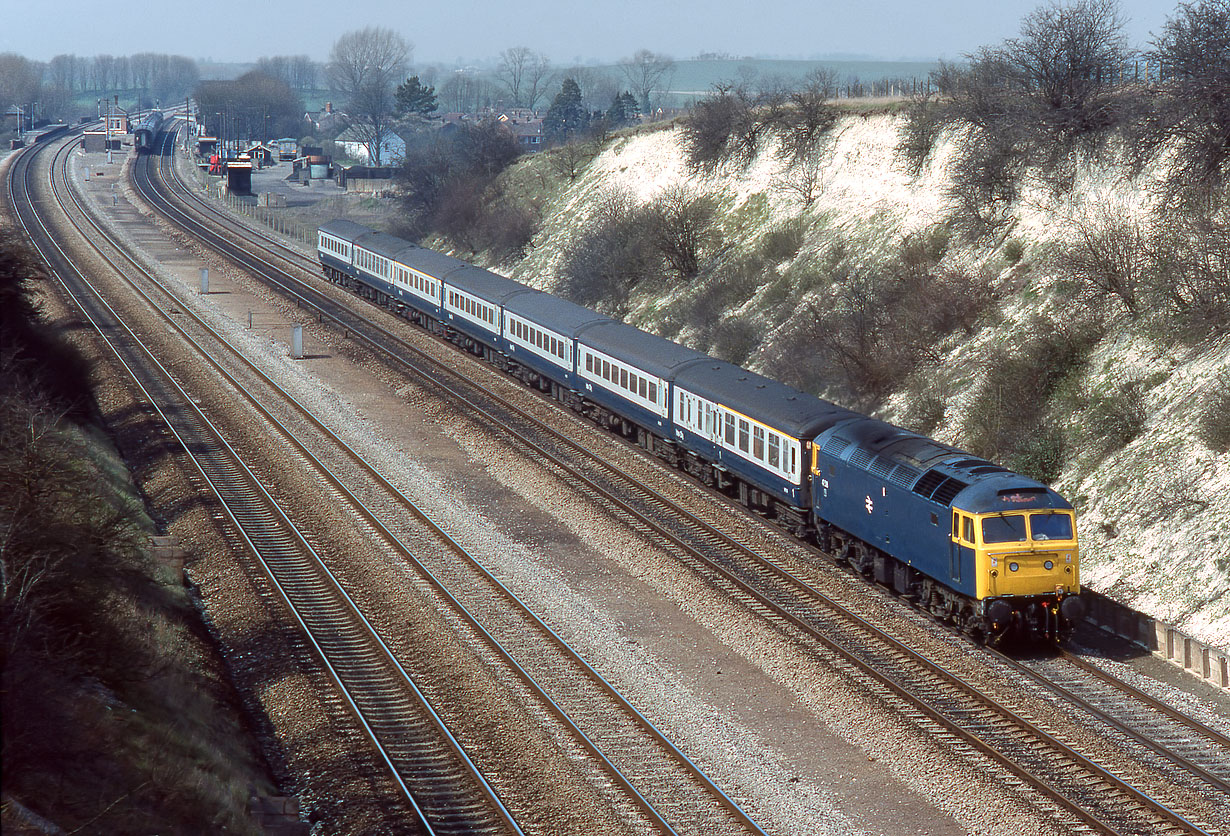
1027, 569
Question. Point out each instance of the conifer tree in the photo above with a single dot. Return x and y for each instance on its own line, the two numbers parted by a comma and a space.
567, 117
415, 97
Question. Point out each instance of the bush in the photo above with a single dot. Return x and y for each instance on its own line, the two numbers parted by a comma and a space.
924, 412
681, 225
1192, 110
782, 242
615, 253
1110, 260
1028, 102
1011, 418
1039, 455
873, 326
445, 181
1213, 424
34, 357
1112, 420
807, 117
1188, 280
925, 119
727, 125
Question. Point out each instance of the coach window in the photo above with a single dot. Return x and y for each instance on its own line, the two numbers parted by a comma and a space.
730, 429
653, 392
758, 442
774, 450
743, 435
643, 387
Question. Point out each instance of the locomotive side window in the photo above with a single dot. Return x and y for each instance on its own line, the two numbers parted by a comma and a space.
956, 524
967, 529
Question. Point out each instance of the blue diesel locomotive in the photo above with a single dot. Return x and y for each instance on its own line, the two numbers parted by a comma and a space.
988, 550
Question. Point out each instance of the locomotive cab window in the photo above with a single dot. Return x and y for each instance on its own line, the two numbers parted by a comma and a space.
1009, 528
1050, 526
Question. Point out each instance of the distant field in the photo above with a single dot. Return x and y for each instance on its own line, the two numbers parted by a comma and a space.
693, 79
697, 78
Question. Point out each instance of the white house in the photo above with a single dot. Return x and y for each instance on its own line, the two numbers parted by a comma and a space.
392, 147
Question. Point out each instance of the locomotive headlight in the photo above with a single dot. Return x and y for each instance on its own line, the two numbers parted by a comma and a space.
1014, 566
1049, 565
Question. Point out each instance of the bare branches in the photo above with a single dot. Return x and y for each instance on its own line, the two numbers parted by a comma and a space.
365, 66
1193, 109
525, 74
647, 73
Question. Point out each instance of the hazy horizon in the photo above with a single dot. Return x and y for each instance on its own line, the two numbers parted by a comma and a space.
475, 32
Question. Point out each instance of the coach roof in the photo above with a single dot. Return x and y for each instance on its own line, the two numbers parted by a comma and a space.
647, 352
767, 401
383, 244
345, 230
552, 312
431, 263
484, 284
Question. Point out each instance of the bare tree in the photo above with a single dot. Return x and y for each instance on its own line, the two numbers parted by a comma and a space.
802, 179
19, 80
142, 66
647, 72
364, 67
463, 92
809, 116
303, 71
682, 228
525, 74
121, 73
1193, 110
103, 66
1110, 257
62, 72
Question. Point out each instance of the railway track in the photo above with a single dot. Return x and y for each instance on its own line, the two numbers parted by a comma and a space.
670, 794
443, 791
1089, 796
1179, 740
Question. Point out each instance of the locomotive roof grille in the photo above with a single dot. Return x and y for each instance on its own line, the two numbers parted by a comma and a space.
836, 445
948, 490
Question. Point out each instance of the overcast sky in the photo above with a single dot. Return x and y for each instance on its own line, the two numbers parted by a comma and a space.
567, 31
